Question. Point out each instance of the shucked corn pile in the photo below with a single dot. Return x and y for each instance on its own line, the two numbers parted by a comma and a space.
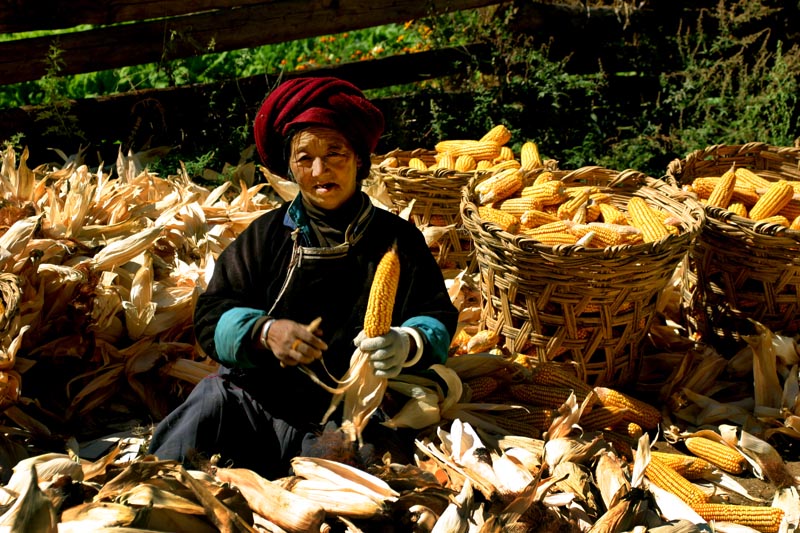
745, 193
101, 271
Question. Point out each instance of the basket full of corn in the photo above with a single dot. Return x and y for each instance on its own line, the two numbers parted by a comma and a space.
572, 263
429, 184
745, 264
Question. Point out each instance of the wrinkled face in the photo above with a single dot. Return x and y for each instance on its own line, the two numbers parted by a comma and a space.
324, 166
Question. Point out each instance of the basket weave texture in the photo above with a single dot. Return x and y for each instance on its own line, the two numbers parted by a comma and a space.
587, 307
740, 269
436, 197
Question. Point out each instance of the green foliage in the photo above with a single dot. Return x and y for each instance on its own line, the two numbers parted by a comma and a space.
55, 112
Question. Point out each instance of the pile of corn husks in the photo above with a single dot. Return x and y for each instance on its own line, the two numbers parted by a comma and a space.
99, 272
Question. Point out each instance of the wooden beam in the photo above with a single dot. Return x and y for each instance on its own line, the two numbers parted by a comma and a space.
21, 16
214, 31
181, 115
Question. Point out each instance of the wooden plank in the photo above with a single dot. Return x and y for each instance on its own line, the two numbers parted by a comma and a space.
180, 115
217, 31
21, 16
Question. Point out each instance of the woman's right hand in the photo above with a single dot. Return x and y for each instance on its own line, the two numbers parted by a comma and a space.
293, 343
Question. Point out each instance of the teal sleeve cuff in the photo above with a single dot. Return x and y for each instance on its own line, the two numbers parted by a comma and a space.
436, 334
233, 336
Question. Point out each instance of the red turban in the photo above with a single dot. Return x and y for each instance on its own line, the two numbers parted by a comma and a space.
328, 102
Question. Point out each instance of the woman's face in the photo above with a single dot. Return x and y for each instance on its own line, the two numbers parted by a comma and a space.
324, 165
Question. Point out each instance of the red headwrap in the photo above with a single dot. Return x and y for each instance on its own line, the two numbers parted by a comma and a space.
329, 102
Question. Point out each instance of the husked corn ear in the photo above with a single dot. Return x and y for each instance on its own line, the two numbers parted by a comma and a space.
742, 192
611, 214
534, 218
378, 318
638, 411
544, 176
778, 194
762, 518
504, 165
506, 154
722, 193
559, 226
417, 164
716, 453
484, 164
602, 417
389, 162
631, 429
481, 387
553, 239
665, 477
532, 417
603, 236
776, 219
547, 193
465, 163
543, 395
517, 205
506, 221
477, 149
568, 208
446, 160
642, 217
554, 374
738, 208
483, 341
499, 134
529, 156
792, 209
499, 186
688, 466
747, 176
795, 225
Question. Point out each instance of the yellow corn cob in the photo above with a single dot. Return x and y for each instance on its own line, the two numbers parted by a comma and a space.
723, 191
499, 186
742, 192
716, 453
738, 208
477, 149
568, 208
378, 318
459, 342
465, 163
482, 386
763, 518
529, 156
747, 176
559, 226
483, 341
517, 205
499, 134
534, 218
504, 165
612, 215
642, 217
446, 160
602, 417
533, 416
506, 221
417, 164
553, 239
773, 200
548, 193
776, 219
600, 197
544, 177
484, 164
631, 429
506, 154
665, 477
543, 395
622, 444
795, 225
580, 215
554, 374
638, 411
688, 466
791, 210
389, 162
603, 236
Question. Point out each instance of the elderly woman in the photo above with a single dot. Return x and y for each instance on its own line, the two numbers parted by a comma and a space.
313, 257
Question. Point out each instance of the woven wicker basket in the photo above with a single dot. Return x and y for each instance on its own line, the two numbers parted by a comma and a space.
739, 269
588, 307
436, 195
